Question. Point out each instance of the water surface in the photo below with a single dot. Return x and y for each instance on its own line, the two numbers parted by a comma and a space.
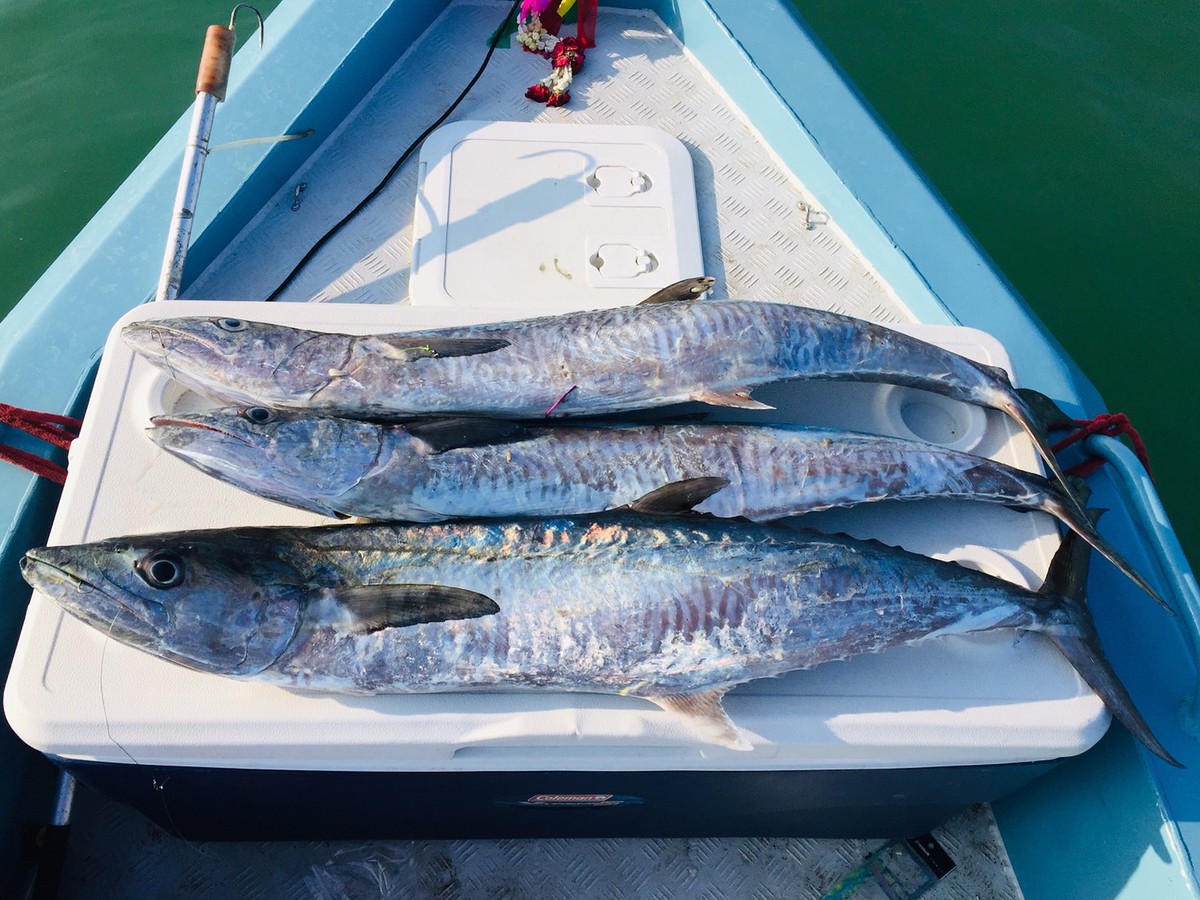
1065, 134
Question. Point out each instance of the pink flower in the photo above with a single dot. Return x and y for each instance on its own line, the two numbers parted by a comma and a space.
533, 7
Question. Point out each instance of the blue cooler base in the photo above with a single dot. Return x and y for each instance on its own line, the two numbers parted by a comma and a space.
203, 804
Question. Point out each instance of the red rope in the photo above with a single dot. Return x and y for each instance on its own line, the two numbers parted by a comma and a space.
1110, 425
53, 429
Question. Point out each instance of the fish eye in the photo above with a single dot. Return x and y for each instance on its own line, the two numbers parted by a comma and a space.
231, 324
259, 415
161, 569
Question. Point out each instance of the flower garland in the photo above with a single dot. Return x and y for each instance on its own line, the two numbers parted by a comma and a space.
537, 32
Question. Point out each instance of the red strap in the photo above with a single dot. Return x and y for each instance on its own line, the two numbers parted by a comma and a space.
1111, 425
57, 430
586, 24
54, 429
38, 465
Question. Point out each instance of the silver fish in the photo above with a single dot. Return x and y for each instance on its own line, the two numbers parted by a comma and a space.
670, 610
435, 470
581, 363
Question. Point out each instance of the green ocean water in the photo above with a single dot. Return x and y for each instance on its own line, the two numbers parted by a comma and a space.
1064, 134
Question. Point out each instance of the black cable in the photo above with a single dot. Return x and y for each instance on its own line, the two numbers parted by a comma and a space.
492, 44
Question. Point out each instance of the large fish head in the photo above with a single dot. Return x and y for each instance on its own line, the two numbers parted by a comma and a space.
228, 605
238, 361
303, 460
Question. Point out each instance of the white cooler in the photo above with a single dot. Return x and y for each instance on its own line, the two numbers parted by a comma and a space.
884, 744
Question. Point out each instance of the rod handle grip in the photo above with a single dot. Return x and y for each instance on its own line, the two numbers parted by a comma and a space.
213, 76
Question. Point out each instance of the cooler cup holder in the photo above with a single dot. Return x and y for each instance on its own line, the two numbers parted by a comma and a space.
164, 396
931, 417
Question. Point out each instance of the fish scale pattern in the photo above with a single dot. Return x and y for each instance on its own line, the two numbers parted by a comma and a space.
757, 240
114, 852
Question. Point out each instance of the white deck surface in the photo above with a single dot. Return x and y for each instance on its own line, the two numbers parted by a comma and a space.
754, 238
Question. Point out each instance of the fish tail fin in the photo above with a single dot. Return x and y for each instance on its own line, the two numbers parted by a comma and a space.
1075, 635
1039, 415
1066, 510
1031, 416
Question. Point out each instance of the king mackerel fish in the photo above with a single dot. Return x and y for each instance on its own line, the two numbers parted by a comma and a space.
434, 470
669, 610
663, 351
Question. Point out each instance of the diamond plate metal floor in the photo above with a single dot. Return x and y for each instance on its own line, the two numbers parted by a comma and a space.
116, 853
756, 241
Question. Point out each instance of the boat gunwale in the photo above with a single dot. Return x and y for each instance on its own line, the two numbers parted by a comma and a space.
325, 58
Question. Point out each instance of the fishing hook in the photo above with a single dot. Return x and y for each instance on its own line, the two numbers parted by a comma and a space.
233, 15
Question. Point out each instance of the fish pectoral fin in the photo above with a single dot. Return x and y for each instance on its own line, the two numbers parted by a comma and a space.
687, 289
740, 399
405, 347
374, 607
706, 716
463, 431
679, 496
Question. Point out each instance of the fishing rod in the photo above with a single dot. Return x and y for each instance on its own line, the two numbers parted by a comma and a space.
211, 81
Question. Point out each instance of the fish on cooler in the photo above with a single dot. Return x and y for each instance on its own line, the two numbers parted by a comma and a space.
673, 610
434, 470
597, 362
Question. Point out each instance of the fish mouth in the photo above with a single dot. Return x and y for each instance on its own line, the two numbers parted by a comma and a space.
38, 572
147, 337
176, 422
46, 574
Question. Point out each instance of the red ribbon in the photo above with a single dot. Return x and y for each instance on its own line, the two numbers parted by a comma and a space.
51, 428
1110, 425
586, 27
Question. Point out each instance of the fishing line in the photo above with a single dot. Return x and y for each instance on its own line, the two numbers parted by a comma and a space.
158, 786
324, 239
103, 703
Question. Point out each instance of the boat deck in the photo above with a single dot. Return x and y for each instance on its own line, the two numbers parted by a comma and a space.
764, 236
115, 852
757, 240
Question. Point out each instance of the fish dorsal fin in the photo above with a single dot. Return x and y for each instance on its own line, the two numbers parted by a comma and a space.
687, 289
374, 607
464, 431
1046, 412
739, 399
408, 347
1067, 575
1083, 493
706, 716
996, 372
679, 496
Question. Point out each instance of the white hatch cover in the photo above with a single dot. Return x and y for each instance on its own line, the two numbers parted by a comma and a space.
579, 216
